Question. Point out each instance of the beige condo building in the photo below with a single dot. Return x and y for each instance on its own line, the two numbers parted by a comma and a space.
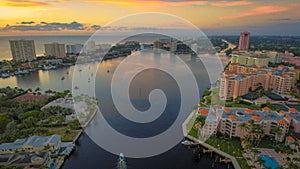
240, 79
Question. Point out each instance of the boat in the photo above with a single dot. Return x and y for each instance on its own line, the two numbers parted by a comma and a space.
121, 162
49, 67
21, 73
4, 75
186, 142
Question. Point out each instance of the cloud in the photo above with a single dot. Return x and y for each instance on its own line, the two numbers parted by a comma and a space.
24, 3
230, 3
283, 19
44, 26
222, 3
260, 10
95, 27
24, 22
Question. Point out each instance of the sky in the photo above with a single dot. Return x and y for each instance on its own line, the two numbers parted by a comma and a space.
214, 17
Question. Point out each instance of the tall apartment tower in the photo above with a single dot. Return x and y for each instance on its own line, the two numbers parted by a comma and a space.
55, 49
244, 41
22, 50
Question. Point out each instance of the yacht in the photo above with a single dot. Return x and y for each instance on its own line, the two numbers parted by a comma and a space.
121, 162
4, 75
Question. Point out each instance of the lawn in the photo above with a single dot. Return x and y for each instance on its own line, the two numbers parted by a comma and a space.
193, 132
266, 143
230, 146
231, 104
62, 131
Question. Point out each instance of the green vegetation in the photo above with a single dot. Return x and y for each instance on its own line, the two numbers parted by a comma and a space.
217, 42
193, 132
274, 43
230, 146
20, 119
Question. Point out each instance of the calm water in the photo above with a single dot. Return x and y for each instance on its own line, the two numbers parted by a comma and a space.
87, 153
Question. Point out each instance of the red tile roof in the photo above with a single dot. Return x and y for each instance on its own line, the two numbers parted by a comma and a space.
266, 109
203, 112
31, 97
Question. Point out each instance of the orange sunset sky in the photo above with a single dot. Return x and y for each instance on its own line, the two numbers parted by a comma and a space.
52, 17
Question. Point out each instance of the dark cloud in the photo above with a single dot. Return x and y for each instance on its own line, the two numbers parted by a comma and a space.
284, 19
44, 26
96, 27
31, 22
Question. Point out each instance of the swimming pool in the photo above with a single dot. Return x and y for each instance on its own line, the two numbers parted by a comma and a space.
270, 162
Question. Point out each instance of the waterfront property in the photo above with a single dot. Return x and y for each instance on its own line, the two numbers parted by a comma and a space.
30, 97
22, 50
35, 151
32, 159
229, 120
55, 49
32, 144
239, 80
83, 108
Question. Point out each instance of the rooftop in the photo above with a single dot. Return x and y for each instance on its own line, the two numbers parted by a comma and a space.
34, 141
245, 114
31, 97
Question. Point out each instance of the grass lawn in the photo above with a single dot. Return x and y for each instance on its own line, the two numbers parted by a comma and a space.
230, 146
231, 104
193, 132
266, 143
64, 137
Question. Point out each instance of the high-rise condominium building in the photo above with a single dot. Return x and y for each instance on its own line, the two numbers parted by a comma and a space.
22, 50
244, 41
55, 49
75, 49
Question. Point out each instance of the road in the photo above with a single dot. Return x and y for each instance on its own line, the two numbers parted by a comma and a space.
222, 53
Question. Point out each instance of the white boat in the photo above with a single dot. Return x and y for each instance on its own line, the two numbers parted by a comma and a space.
186, 142
4, 75
49, 67
121, 162
21, 72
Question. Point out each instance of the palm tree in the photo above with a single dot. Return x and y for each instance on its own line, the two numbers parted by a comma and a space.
292, 165
278, 131
260, 161
260, 135
255, 151
244, 127
37, 89
47, 147
49, 92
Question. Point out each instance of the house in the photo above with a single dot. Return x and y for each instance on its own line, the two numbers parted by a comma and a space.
32, 144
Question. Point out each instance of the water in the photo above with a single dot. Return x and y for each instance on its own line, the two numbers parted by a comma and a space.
87, 153
43, 79
270, 162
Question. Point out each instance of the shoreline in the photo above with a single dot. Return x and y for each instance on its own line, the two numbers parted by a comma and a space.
76, 139
217, 151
